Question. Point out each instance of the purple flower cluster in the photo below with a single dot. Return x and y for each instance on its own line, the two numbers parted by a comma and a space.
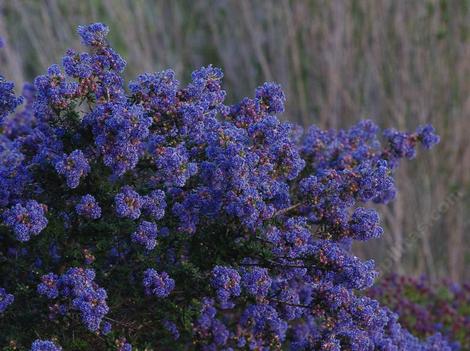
73, 167
256, 281
212, 333
256, 217
106, 328
6, 300
226, 282
14, 173
77, 65
156, 92
119, 138
128, 203
8, 100
158, 284
54, 93
77, 287
88, 207
173, 168
93, 34
261, 323
146, 235
27, 220
155, 204
271, 97
427, 135
45, 345
48, 286
205, 88
172, 329
364, 224
427, 308
404, 144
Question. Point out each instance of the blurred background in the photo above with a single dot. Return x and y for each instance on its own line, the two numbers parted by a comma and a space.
398, 62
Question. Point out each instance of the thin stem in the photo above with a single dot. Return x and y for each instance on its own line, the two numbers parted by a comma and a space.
287, 303
287, 209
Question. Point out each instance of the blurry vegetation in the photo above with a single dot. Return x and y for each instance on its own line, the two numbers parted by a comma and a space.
398, 62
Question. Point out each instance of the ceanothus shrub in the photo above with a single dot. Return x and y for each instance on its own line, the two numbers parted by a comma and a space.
159, 216
426, 307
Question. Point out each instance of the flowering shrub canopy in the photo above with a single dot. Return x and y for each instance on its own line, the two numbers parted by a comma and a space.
426, 308
162, 217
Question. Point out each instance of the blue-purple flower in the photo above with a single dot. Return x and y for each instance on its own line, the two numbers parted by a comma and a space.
84, 295
155, 204
364, 224
271, 97
128, 203
226, 282
8, 100
256, 281
45, 345
93, 34
74, 167
172, 329
49, 286
88, 207
26, 220
157, 284
6, 300
146, 235
427, 135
